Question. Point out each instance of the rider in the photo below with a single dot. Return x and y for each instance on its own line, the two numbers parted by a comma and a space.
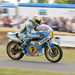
30, 25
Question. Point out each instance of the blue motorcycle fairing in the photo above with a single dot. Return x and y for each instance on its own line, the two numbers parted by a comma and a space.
44, 34
39, 50
40, 47
49, 43
25, 51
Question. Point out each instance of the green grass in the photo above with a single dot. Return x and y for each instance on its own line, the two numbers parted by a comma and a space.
10, 71
69, 55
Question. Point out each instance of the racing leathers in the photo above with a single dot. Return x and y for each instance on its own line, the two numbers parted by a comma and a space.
26, 32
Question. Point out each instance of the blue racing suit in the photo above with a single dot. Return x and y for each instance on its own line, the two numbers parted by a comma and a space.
26, 32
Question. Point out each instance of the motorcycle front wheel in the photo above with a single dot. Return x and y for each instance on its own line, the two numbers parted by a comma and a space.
14, 51
54, 54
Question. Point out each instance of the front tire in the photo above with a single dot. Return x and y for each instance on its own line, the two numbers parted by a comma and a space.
56, 51
14, 53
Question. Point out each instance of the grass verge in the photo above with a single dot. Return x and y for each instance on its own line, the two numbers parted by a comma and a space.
5, 71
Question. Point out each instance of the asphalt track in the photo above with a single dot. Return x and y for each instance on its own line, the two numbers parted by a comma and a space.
33, 65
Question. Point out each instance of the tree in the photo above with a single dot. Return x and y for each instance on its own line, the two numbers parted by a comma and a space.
39, 1
61, 1
65, 1
71, 1
42, 1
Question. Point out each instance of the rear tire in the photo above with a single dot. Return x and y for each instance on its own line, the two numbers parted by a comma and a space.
58, 52
10, 54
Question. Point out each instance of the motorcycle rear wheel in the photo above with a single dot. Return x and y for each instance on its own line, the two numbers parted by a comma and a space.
14, 53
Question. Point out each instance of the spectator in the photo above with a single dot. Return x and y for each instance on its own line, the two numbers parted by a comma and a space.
68, 25
7, 21
45, 20
61, 23
55, 24
73, 24
1, 24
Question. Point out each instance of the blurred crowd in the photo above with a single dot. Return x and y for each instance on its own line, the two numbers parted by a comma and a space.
61, 24
11, 21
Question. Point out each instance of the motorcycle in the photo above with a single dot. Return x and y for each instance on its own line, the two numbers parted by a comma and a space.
51, 50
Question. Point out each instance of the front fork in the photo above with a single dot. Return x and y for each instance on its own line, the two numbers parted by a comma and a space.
50, 46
